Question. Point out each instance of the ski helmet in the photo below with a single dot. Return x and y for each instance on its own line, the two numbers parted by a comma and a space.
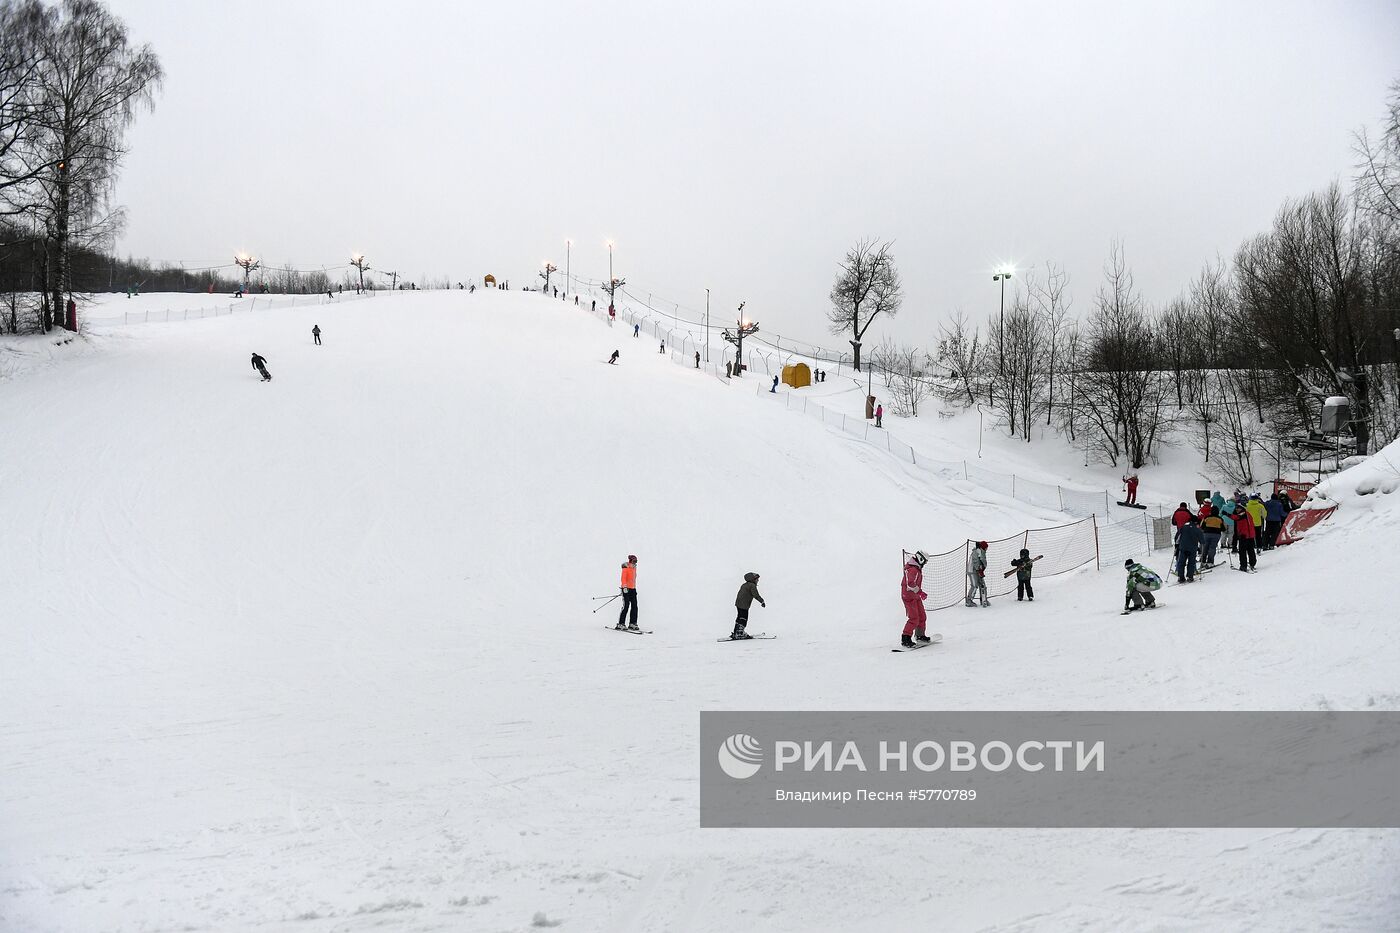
631, 558
921, 557
1025, 553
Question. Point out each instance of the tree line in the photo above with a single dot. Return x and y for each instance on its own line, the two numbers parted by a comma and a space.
71, 83
1237, 363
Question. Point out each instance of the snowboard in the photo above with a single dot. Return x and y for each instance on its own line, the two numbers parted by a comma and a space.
760, 636
934, 639
1132, 505
1128, 612
645, 631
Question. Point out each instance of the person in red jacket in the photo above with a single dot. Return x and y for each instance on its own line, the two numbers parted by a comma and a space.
1131, 481
1181, 516
912, 593
1206, 510
1244, 537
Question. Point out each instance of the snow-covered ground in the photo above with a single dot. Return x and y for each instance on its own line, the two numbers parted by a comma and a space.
320, 654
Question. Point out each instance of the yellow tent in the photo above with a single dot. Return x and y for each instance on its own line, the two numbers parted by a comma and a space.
797, 375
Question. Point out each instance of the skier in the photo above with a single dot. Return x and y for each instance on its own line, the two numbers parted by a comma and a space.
977, 575
879, 414
663, 347
747, 594
1141, 583
1244, 539
316, 333
329, 296
260, 365
613, 358
1180, 516
594, 306
612, 315
697, 359
629, 595
1188, 541
1275, 511
775, 385
1212, 526
1131, 481
913, 595
728, 369
1227, 514
1256, 510
636, 330
1024, 565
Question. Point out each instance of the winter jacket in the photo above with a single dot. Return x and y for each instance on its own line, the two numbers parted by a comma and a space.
1217, 502
1244, 528
1025, 566
913, 580
1212, 525
629, 577
1180, 517
1206, 509
978, 562
748, 592
258, 362
1275, 510
1189, 539
1140, 574
1227, 512
1255, 508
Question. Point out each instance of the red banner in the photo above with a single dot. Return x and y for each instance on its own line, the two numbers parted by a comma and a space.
1296, 491
1299, 521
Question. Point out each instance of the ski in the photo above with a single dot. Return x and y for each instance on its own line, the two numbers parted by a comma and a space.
1128, 612
1014, 569
761, 636
933, 640
613, 628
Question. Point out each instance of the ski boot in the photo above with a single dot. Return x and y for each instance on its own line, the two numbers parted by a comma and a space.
906, 641
633, 627
970, 604
922, 636
621, 626
986, 605
739, 634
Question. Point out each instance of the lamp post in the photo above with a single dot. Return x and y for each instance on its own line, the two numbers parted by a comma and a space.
1001, 277
568, 275
743, 328
707, 326
359, 262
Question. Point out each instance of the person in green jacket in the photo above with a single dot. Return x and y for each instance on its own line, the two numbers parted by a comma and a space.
1141, 584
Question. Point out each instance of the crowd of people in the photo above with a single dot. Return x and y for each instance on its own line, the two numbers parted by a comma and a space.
1243, 525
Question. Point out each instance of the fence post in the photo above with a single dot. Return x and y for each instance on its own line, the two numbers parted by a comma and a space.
1013, 485
1147, 526
1061, 493
1097, 564
964, 469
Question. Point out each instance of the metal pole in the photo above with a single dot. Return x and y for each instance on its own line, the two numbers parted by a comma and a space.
568, 267
707, 325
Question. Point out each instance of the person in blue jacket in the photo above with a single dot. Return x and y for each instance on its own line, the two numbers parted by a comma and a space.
1189, 540
1227, 513
1275, 511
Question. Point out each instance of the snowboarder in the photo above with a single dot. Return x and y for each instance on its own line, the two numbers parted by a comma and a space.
1131, 482
260, 365
977, 575
913, 595
1141, 584
636, 330
1189, 540
775, 385
697, 359
613, 358
629, 595
879, 414
1024, 566
747, 594
316, 333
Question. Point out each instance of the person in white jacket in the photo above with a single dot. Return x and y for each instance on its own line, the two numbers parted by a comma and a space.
977, 575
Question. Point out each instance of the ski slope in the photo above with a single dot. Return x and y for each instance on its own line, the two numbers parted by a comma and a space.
319, 654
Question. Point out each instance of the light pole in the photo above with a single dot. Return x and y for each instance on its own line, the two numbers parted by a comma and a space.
359, 262
707, 326
1001, 277
568, 276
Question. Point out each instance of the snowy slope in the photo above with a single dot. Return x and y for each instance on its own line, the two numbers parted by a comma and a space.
319, 654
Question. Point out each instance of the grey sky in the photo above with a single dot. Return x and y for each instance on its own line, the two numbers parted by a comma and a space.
745, 146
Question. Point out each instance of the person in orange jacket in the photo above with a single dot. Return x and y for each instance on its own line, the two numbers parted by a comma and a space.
629, 594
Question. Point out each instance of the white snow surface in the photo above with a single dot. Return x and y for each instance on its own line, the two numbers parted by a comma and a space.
319, 654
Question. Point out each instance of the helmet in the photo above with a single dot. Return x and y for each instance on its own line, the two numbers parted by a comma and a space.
631, 558
921, 557
1128, 563
1025, 553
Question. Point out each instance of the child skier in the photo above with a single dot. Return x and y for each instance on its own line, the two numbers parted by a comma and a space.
977, 575
316, 333
747, 594
913, 595
260, 365
629, 594
1024, 565
1141, 584
1131, 482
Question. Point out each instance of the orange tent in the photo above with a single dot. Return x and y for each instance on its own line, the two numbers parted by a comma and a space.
797, 375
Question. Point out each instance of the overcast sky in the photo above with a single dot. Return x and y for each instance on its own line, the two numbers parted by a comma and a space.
744, 146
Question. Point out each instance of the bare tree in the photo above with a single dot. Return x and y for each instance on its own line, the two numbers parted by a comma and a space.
1378, 172
906, 371
867, 286
549, 269
89, 85
1050, 299
358, 261
1019, 345
21, 25
963, 357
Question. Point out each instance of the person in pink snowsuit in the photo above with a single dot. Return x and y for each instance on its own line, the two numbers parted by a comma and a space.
913, 595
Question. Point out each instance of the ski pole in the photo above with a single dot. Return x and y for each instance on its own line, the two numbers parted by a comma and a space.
613, 596
595, 611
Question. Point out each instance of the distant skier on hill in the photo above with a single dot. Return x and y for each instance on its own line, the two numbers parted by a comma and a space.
636, 330
613, 358
316, 333
913, 595
260, 365
748, 592
977, 575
